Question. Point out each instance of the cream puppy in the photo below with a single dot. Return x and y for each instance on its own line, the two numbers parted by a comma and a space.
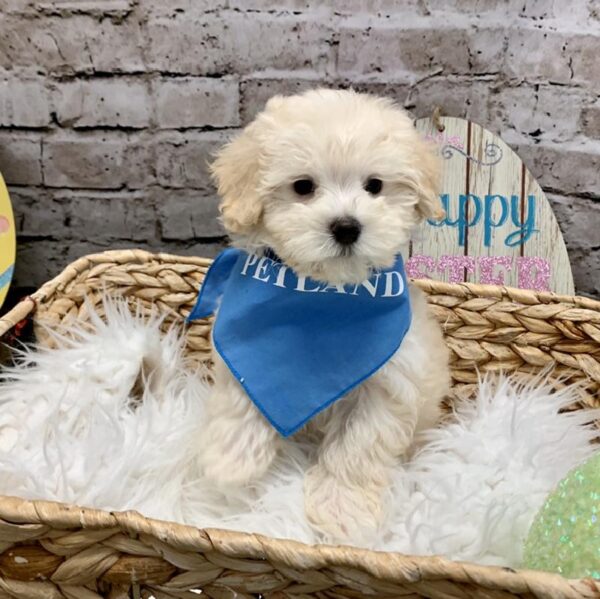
334, 182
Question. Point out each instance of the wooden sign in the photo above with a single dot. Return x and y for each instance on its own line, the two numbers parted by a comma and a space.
499, 227
7, 241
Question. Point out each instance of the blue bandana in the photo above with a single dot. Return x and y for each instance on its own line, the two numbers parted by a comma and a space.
297, 345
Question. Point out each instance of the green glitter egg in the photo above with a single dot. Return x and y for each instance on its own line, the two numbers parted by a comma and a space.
565, 535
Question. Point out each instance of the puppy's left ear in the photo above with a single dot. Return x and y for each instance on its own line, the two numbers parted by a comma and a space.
427, 170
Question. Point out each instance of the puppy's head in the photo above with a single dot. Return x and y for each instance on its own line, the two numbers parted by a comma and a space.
332, 181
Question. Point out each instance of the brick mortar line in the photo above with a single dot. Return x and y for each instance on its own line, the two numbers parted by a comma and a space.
447, 18
207, 191
22, 75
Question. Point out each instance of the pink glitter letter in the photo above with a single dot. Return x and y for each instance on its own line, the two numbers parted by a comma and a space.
413, 266
534, 273
456, 266
486, 269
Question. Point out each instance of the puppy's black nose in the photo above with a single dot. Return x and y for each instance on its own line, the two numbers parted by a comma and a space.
345, 230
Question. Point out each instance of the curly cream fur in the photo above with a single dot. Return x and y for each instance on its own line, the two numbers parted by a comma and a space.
339, 139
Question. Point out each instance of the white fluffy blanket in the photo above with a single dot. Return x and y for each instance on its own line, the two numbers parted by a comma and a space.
72, 430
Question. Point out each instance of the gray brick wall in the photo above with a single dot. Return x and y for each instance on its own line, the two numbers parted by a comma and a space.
109, 109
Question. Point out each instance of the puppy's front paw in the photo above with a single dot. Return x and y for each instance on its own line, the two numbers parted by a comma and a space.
230, 458
342, 513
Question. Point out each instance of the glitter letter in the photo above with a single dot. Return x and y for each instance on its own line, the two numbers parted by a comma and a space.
414, 263
457, 267
486, 269
534, 273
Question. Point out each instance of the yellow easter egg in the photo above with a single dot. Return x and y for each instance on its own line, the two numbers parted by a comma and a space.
8, 243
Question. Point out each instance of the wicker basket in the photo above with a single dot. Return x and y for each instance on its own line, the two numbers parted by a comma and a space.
51, 550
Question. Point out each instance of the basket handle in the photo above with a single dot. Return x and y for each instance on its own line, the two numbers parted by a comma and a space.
19, 313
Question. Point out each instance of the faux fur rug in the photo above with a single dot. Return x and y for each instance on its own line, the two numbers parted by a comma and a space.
111, 420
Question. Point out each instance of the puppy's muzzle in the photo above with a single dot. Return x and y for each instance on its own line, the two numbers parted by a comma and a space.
345, 230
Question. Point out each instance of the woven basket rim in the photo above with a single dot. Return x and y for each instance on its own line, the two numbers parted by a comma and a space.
461, 290
458, 289
389, 566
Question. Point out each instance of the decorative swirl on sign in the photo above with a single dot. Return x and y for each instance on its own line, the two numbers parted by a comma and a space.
492, 151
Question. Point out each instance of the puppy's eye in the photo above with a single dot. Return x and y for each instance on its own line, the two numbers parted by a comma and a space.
304, 187
373, 186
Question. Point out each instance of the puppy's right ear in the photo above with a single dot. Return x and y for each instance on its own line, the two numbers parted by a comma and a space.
236, 172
